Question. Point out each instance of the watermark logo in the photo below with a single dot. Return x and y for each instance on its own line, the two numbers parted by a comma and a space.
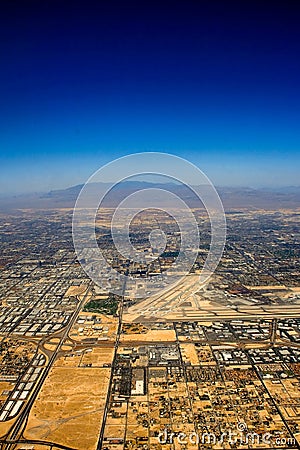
182, 189
239, 436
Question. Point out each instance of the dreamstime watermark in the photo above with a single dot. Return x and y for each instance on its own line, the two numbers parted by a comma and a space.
177, 173
240, 435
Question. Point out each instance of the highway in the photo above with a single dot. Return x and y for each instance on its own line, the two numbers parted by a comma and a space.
109, 390
13, 435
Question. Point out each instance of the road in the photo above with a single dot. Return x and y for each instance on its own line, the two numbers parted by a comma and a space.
16, 429
109, 390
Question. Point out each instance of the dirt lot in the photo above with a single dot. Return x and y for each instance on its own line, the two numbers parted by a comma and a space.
69, 407
189, 354
150, 335
97, 357
76, 290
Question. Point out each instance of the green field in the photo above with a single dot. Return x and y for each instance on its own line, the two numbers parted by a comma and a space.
108, 306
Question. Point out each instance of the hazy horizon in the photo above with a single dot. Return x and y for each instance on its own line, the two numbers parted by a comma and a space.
283, 189
216, 83
217, 186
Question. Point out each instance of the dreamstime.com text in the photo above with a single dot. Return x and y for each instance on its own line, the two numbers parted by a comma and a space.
241, 435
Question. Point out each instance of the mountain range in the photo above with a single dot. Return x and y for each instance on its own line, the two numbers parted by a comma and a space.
232, 197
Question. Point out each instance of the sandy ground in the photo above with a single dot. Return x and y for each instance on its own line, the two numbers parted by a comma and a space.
5, 426
76, 290
150, 335
36, 447
69, 407
97, 357
189, 353
114, 431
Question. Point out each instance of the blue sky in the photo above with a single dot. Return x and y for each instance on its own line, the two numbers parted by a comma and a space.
82, 83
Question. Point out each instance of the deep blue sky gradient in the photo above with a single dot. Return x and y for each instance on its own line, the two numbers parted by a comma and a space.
82, 83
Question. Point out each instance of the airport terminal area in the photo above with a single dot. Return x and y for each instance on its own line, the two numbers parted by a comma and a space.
84, 368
